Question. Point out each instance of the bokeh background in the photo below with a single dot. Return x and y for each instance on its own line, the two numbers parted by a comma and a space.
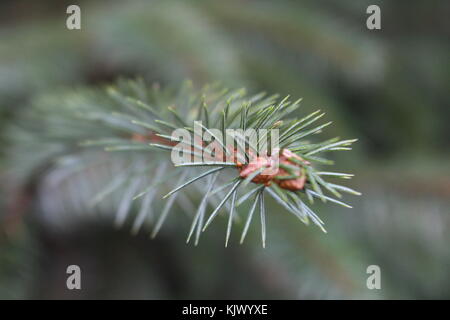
388, 87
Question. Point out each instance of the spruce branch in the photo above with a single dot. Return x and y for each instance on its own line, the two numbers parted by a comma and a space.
138, 121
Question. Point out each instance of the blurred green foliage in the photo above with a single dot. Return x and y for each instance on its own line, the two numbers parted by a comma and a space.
388, 87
